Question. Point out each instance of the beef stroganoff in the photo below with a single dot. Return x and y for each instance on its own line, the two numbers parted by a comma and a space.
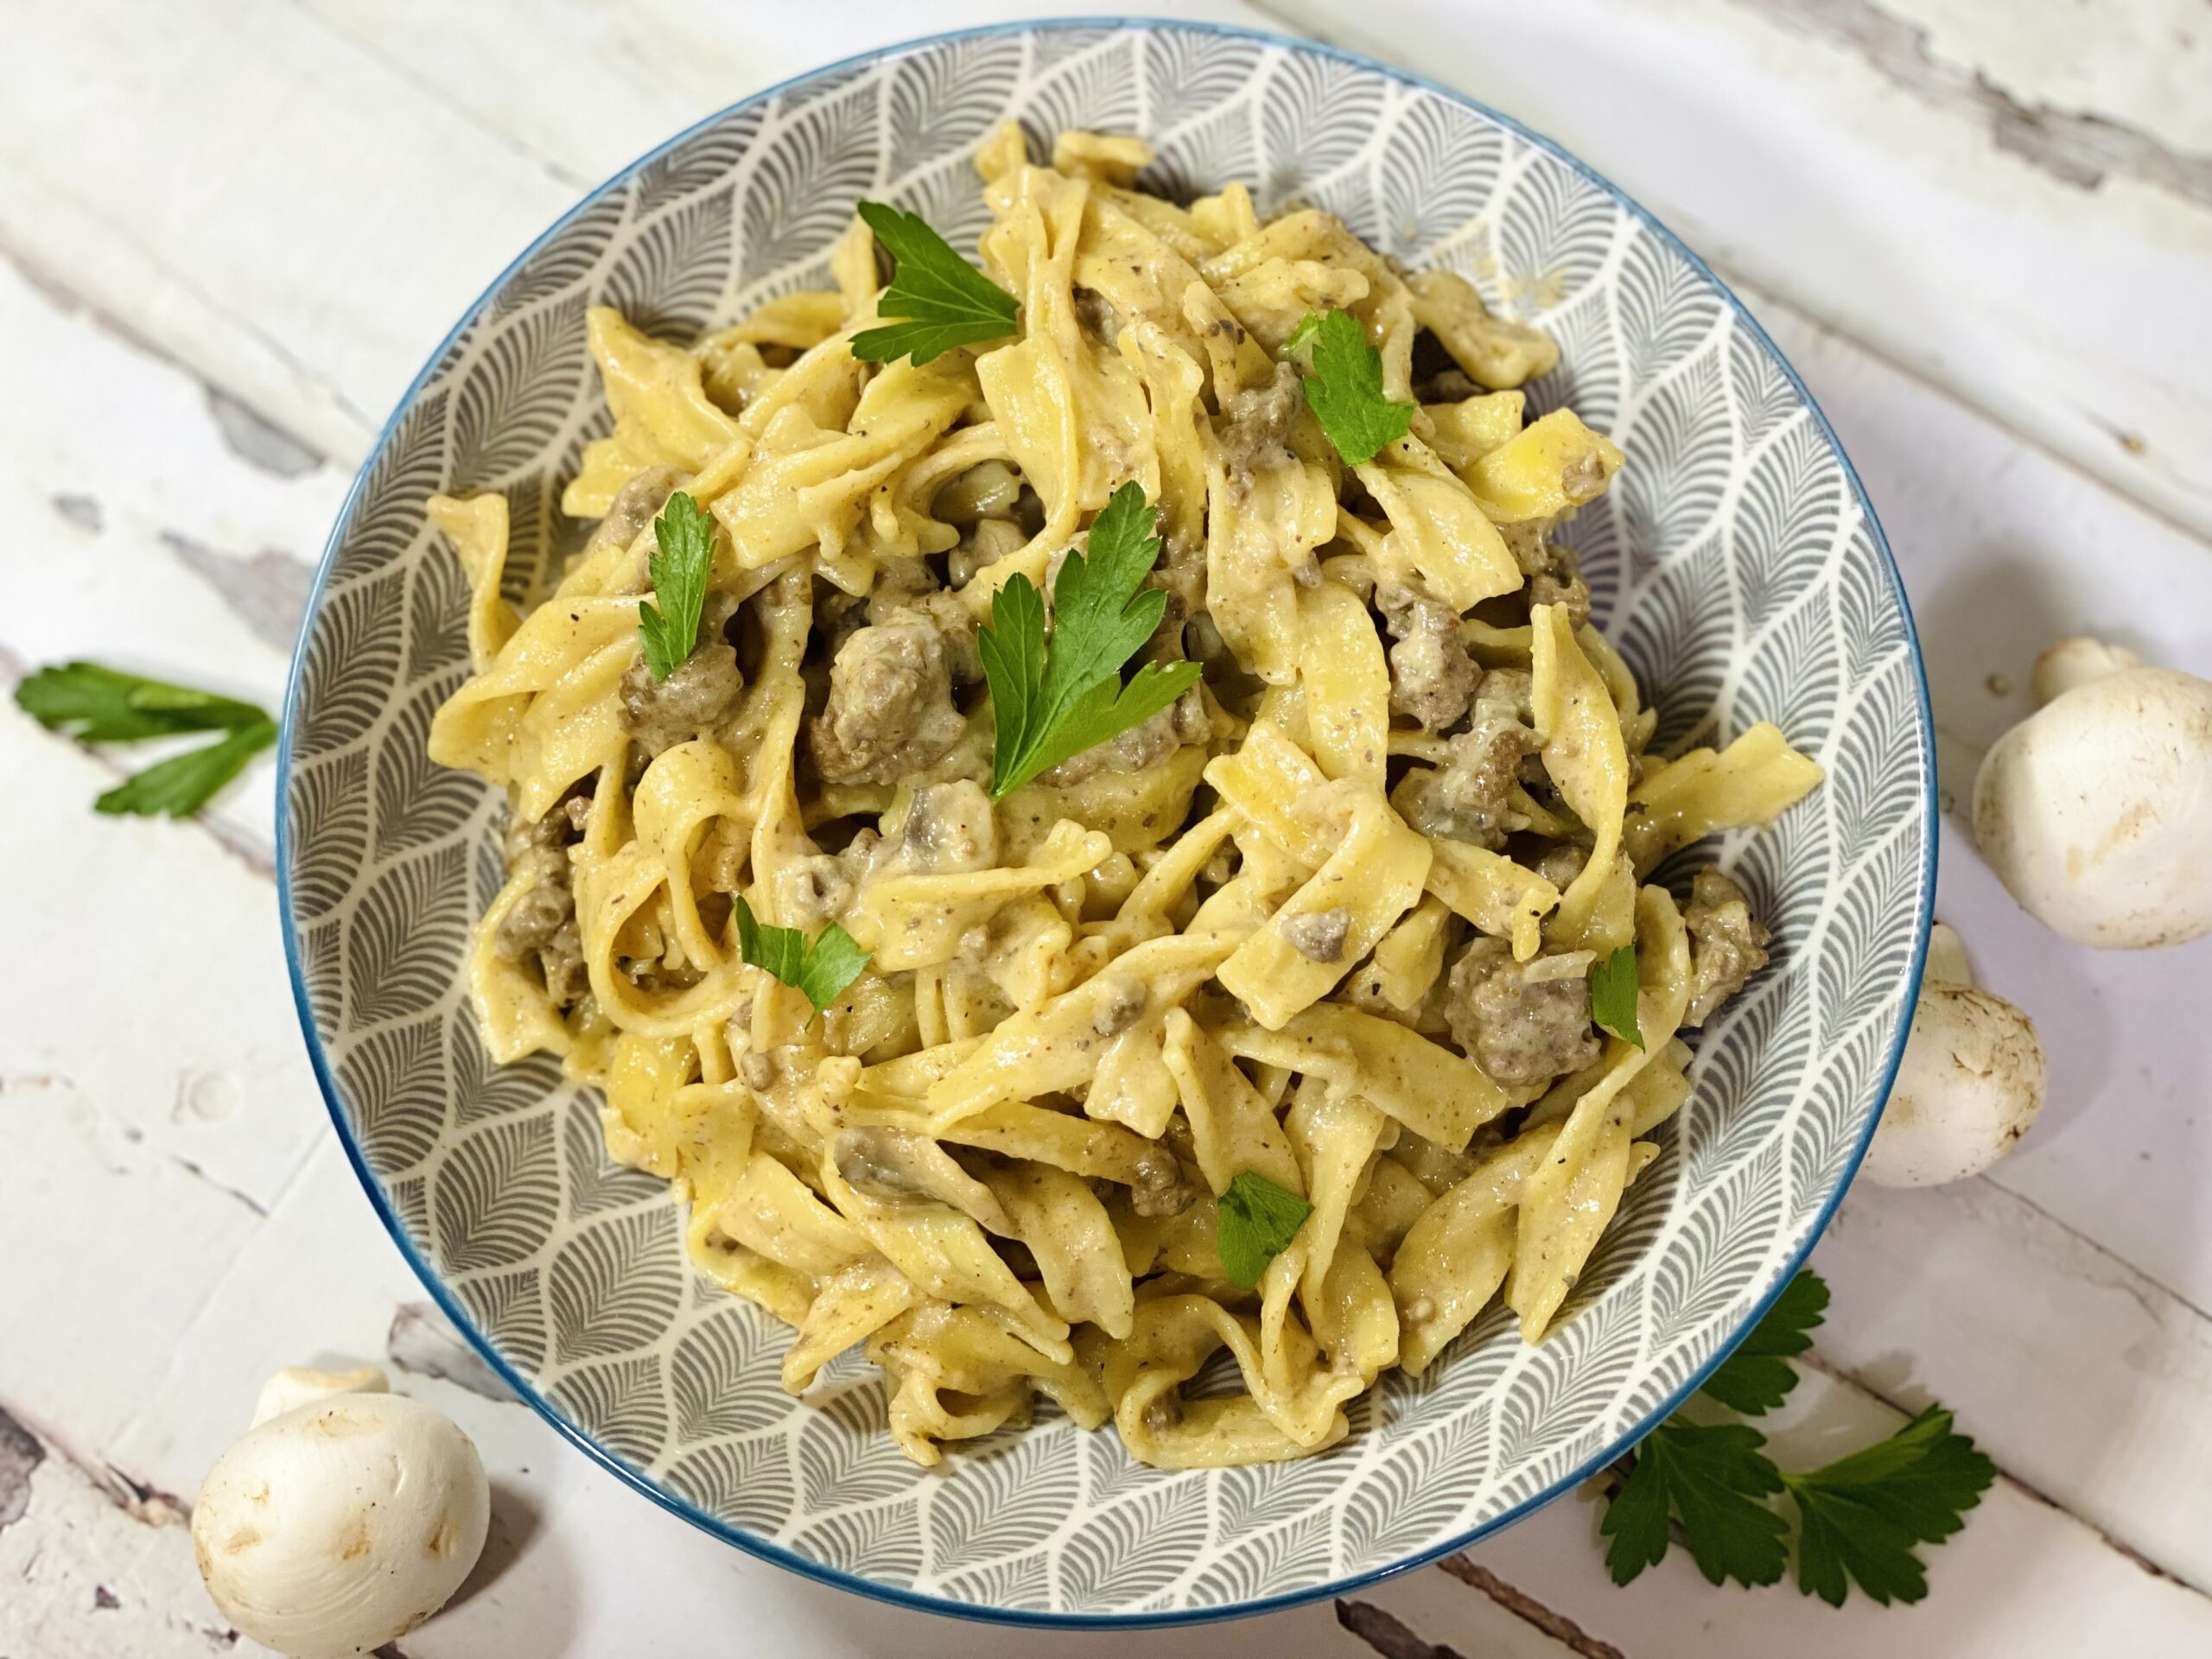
1112, 837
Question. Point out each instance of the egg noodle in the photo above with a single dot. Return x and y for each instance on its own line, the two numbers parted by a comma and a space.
1329, 920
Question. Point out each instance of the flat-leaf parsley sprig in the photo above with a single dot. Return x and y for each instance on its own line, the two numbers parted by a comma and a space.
679, 567
1858, 1518
1715, 1481
937, 300
1344, 385
820, 969
1050, 702
105, 705
1758, 1376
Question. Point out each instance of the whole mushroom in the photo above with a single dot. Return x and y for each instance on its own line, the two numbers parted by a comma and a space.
1969, 1086
343, 1523
2096, 810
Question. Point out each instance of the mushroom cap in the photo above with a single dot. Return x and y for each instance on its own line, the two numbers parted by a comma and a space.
342, 1525
1970, 1086
2096, 811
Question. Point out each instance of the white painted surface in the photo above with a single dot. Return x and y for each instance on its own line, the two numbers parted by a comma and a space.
1941, 180
291, 203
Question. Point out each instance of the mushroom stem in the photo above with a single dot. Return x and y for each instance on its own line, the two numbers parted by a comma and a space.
1947, 958
2075, 662
298, 1385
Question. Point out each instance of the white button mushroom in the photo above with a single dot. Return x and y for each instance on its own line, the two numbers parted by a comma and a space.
1970, 1086
342, 1523
2096, 810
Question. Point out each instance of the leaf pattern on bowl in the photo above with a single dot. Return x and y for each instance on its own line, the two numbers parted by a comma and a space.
1738, 567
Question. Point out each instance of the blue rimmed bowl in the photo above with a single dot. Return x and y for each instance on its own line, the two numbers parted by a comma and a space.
1737, 565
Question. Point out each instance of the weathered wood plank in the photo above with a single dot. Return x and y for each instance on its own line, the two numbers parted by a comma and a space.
2083, 1376
128, 589
299, 220
283, 216
2022, 1578
2028, 225
309, 273
2003, 550
84, 1574
155, 526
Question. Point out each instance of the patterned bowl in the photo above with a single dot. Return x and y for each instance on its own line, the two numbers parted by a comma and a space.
1738, 565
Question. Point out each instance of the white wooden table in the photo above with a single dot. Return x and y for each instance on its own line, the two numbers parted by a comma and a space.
230, 230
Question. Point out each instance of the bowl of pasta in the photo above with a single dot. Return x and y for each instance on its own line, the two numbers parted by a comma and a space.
1104, 822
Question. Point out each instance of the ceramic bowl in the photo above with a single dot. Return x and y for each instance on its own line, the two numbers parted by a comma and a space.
1736, 564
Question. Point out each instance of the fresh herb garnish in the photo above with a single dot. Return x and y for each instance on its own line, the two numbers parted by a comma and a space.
1344, 385
1858, 1518
183, 783
1715, 1480
1758, 1376
1255, 1222
937, 300
1613, 995
1048, 705
820, 969
679, 568
105, 705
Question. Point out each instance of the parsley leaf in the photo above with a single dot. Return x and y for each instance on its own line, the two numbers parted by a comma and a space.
1716, 1481
1613, 995
1859, 1516
820, 970
1343, 384
105, 705
679, 569
1255, 1222
937, 300
1758, 1377
1050, 704
183, 783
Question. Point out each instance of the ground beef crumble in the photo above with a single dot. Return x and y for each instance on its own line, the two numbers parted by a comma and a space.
1523, 1023
1727, 943
542, 925
1432, 679
890, 713
1160, 1189
1256, 424
1467, 799
700, 696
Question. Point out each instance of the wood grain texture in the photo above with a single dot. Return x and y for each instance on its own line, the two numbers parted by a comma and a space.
2109, 1411
2005, 548
2022, 1578
2011, 200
